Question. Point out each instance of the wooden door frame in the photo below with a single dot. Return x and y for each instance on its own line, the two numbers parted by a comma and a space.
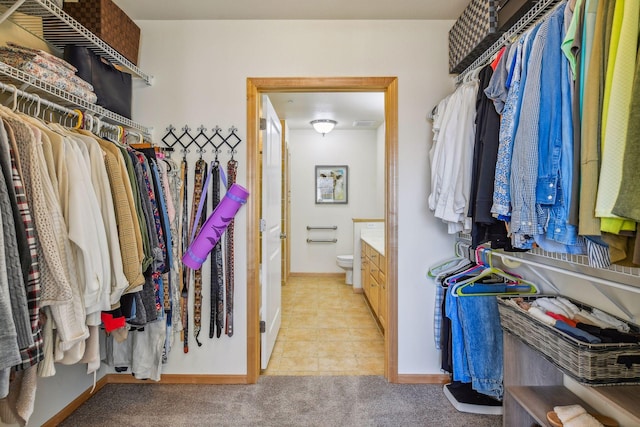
255, 88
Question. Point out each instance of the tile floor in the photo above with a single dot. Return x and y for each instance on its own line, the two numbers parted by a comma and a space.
327, 329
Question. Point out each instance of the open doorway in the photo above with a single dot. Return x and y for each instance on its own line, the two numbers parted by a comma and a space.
255, 88
329, 324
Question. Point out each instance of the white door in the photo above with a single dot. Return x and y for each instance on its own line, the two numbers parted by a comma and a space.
271, 267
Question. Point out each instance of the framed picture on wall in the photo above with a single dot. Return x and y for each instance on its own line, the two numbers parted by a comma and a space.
332, 184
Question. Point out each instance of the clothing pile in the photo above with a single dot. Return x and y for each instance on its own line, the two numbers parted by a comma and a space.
537, 147
591, 326
47, 68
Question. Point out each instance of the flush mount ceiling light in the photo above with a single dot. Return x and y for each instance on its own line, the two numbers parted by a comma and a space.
323, 126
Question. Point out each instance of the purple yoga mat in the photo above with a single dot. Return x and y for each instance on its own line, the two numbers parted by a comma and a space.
215, 226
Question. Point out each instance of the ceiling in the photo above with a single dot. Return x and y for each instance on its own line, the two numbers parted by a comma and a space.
292, 9
352, 111
300, 108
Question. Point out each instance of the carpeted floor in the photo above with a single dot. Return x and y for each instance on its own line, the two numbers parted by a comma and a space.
276, 401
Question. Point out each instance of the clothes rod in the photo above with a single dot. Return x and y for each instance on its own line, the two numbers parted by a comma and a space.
572, 273
320, 227
322, 240
35, 98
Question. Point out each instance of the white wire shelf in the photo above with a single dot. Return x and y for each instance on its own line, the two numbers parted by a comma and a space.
615, 275
25, 81
531, 17
58, 28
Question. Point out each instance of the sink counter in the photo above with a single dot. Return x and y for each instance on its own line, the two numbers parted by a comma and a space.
374, 238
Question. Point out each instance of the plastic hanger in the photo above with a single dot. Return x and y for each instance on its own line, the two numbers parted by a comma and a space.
511, 283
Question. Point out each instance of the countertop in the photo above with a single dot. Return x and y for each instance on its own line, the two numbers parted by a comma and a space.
374, 238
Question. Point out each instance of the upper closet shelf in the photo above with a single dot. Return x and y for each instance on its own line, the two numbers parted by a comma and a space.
60, 29
11, 75
532, 16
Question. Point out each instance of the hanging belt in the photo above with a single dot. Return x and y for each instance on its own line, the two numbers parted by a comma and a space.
197, 277
184, 242
232, 168
216, 319
195, 202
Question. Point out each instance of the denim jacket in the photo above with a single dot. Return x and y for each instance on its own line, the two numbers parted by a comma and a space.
524, 163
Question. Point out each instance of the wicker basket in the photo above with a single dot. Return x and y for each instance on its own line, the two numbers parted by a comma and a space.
107, 21
589, 364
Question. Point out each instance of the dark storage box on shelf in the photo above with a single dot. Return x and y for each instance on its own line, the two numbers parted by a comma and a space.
107, 21
510, 11
112, 86
589, 364
474, 31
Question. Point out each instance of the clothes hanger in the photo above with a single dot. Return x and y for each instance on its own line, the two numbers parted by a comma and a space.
511, 283
447, 265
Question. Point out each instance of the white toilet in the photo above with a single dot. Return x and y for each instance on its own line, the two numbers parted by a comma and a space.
346, 263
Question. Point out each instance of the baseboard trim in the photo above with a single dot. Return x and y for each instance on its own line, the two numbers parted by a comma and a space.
336, 275
129, 379
75, 403
180, 379
358, 291
423, 379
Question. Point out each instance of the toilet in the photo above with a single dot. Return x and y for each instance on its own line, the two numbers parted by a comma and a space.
346, 263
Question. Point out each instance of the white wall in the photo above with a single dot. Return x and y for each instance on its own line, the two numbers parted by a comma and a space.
200, 71
355, 148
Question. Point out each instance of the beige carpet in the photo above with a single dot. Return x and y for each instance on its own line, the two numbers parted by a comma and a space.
276, 401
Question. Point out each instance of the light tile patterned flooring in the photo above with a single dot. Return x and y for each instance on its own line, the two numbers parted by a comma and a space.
327, 329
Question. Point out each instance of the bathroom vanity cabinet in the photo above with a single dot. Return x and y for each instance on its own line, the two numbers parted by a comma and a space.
374, 280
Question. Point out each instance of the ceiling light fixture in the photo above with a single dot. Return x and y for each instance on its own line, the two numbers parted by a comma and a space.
323, 126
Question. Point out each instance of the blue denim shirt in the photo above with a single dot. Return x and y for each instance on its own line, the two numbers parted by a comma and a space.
508, 124
555, 145
524, 163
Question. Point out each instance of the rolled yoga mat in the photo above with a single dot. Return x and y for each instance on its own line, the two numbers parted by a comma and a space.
215, 226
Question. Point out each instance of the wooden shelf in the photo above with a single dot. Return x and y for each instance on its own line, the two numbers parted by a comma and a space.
538, 400
533, 386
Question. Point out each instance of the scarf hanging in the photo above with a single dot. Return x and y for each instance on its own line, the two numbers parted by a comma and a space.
232, 168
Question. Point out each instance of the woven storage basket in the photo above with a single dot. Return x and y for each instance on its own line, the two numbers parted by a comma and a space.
589, 364
107, 21
472, 33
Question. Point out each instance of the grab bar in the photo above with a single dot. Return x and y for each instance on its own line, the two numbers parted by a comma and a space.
322, 227
322, 240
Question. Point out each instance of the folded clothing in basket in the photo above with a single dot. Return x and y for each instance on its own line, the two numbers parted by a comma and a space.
592, 327
615, 359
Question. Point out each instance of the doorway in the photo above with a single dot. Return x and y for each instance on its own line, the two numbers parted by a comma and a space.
255, 88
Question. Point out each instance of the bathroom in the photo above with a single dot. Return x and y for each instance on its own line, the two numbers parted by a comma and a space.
356, 142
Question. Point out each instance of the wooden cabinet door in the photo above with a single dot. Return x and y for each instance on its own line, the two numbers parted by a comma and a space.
382, 299
364, 268
374, 287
